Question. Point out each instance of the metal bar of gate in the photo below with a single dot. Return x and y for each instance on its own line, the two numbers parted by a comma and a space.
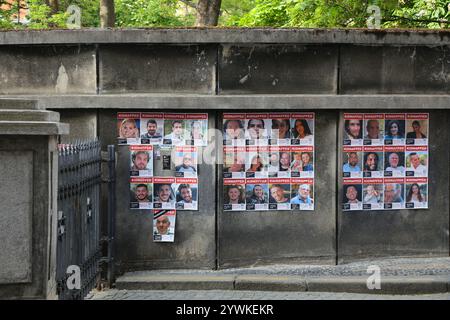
111, 212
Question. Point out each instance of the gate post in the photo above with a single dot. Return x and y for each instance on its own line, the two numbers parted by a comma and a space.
28, 199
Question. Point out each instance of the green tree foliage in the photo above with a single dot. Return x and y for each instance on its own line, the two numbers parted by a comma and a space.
346, 13
149, 13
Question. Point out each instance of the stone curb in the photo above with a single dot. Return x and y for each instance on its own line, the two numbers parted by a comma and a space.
389, 285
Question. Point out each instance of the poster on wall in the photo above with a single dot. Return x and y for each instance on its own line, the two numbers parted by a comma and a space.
152, 128
262, 154
186, 193
394, 161
141, 161
164, 225
164, 193
257, 194
186, 162
233, 194
234, 129
302, 194
128, 126
141, 190
174, 129
196, 129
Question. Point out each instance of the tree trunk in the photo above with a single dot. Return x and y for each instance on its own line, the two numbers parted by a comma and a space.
54, 4
208, 12
107, 14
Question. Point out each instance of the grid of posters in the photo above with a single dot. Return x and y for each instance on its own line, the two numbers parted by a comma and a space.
182, 133
385, 161
157, 128
268, 161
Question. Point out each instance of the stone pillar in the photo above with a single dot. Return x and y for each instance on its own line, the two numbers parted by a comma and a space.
28, 199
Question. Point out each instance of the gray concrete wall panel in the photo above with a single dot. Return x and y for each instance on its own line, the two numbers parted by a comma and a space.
278, 69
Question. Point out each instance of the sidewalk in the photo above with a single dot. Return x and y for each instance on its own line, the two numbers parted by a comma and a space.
397, 276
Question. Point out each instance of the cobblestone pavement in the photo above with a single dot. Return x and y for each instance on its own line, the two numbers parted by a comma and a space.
388, 267
249, 295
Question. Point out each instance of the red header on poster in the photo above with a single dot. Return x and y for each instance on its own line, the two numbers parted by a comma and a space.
373, 180
416, 148
279, 181
302, 181
130, 115
302, 148
141, 148
417, 116
353, 181
257, 181
256, 115
283, 115
302, 115
196, 116
231, 182
374, 116
152, 115
416, 180
353, 116
164, 180
234, 116
394, 180
140, 180
257, 148
352, 149
394, 116
187, 180
394, 149
373, 148
174, 116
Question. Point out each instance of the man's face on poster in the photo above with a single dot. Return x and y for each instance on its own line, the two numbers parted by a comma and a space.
233, 129
151, 128
353, 159
164, 193
372, 162
415, 160
351, 193
284, 159
162, 224
256, 128
277, 193
393, 160
304, 191
186, 194
373, 129
141, 193
177, 128
390, 193
141, 160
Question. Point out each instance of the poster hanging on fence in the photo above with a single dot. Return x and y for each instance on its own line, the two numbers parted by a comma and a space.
268, 161
186, 193
388, 168
164, 225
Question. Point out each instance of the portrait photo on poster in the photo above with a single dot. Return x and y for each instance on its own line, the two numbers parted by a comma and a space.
164, 225
141, 190
128, 128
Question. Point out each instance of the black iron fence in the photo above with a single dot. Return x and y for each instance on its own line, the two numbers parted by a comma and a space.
78, 248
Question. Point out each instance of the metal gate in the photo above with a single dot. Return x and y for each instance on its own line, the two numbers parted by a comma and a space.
78, 247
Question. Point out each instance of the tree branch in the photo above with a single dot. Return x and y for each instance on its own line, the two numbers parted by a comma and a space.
189, 3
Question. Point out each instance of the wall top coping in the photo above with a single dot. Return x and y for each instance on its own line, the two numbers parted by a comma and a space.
244, 102
243, 36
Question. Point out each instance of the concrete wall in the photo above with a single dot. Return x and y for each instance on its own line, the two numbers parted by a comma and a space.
325, 71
